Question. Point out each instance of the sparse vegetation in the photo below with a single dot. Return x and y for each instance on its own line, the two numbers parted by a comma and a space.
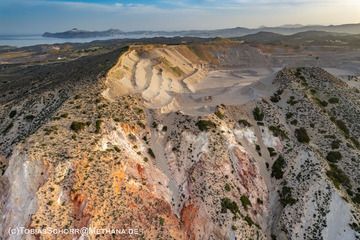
337, 176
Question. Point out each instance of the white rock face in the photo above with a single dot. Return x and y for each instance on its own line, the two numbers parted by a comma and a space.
338, 220
25, 176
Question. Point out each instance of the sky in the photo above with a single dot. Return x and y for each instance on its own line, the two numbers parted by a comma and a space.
38, 16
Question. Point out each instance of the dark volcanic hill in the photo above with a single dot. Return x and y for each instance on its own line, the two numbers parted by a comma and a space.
230, 32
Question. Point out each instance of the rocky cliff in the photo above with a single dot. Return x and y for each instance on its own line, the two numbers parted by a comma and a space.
204, 141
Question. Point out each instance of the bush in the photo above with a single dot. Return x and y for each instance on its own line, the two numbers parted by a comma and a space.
292, 101
258, 114
245, 201
321, 103
333, 100
205, 125
302, 135
98, 125
341, 124
294, 122
272, 151
356, 198
12, 113
289, 115
278, 132
249, 220
29, 117
335, 144
277, 168
286, 197
333, 156
219, 114
227, 187
277, 96
244, 123
338, 177
227, 204
77, 126
7, 129
151, 152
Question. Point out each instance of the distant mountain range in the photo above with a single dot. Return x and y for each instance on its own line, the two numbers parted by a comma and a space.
229, 32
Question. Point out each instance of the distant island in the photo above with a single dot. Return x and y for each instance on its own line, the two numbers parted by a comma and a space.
229, 32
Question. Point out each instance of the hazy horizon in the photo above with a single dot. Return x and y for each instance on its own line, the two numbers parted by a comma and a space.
38, 16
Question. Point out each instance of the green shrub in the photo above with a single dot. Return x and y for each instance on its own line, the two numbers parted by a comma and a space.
337, 176
289, 115
227, 204
356, 198
292, 101
219, 114
277, 96
151, 152
7, 129
321, 103
205, 125
249, 220
333, 156
278, 132
29, 117
12, 113
245, 201
342, 126
227, 187
277, 169
64, 115
286, 196
161, 221
272, 151
302, 135
77, 126
355, 142
98, 125
294, 122
244, 123
258, 114
335, 144
333, 100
